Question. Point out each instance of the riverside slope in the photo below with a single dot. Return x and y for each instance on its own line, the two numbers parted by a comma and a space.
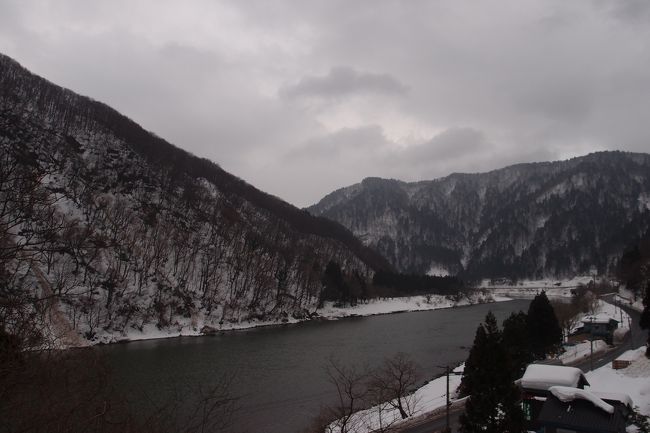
124, 232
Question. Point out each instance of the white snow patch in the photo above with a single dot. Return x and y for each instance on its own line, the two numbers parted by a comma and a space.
599, 318
581, 351
630, 355
438, 270
542, 377
545, 283
566, 394
411, 303
644, 201
614, 396
627, 297
428, 398
633, 381
189, 327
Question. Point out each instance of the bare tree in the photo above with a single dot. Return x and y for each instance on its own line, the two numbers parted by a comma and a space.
351, 392
567, 314
395, 381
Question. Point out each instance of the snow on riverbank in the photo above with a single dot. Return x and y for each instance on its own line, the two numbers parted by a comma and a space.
427, 399
633, 380
187, 327
529, 288
411, 303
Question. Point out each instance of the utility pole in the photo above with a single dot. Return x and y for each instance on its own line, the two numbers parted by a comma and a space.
591, 341
448, 403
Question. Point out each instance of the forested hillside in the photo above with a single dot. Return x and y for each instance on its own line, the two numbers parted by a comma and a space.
106, 228
549, 219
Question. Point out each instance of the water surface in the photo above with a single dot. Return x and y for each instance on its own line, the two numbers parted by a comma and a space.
279, 371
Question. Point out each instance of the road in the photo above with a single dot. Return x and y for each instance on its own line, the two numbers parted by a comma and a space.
636, 339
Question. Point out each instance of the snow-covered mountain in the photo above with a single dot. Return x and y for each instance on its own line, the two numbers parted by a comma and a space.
127, 232
527, 220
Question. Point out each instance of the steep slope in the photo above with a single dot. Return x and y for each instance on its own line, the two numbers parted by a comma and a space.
527, 220
131, 232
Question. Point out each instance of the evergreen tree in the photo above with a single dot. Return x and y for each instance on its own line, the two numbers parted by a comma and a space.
516, 342
489, 381
472, 364
645, 317
544, 331
334, 286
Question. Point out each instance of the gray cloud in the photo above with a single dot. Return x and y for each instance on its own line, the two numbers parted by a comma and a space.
427, 88
343, 81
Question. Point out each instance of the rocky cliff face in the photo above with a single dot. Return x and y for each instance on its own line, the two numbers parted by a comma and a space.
127, 232
527, 220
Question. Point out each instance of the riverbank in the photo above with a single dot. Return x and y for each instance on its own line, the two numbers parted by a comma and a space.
427, 401
527, 289
198, 326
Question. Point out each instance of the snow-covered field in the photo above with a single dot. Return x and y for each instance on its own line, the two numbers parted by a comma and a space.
194, 326
427, 399
633, 380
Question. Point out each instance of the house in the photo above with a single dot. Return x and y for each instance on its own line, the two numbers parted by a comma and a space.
600, 325
576, 410
535, 385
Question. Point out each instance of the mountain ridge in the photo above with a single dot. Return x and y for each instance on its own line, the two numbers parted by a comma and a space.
452, 222
133, 233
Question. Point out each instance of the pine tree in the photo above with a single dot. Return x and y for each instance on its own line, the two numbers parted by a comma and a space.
489, 381
645, 317
544, 331
472, 364
516, 342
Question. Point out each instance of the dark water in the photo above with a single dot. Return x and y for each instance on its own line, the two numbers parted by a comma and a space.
279, 372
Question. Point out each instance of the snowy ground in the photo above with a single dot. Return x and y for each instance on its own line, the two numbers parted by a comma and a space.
529, 288
607, 309
633, 380
193, 327
426, 399
411, 303
626, 297
582, 350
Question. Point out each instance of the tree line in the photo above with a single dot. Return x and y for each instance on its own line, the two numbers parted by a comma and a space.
497, 358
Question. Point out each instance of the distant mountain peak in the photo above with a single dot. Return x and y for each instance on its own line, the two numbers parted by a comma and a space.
525, 220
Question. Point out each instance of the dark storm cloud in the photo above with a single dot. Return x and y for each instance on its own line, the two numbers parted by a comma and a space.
342, 81
302, 97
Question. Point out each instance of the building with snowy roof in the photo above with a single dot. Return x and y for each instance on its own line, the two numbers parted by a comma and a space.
538, 378
600, 325
569, 409
536, 383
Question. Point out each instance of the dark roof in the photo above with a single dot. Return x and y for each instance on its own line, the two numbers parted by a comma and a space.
582, 416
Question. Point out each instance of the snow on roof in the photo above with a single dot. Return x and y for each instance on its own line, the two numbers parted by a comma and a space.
598, 318
542, 377
566, 394
623, 398
630, 355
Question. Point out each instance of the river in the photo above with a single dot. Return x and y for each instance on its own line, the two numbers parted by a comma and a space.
279, 371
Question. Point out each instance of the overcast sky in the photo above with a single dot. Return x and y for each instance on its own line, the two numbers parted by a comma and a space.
303, 97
